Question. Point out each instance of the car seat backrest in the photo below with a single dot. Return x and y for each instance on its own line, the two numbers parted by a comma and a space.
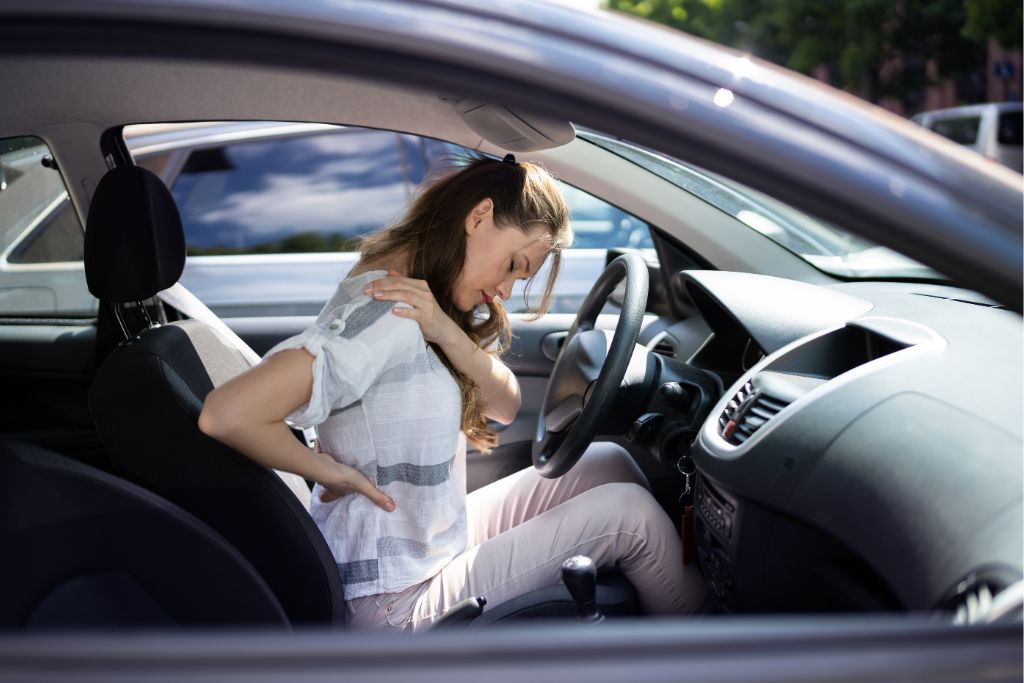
85, 549
147, 394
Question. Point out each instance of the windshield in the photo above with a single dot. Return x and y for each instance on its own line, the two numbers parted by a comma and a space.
821, 244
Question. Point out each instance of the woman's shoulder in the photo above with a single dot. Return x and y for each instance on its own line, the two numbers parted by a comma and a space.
348, 292
350, 312
355, 281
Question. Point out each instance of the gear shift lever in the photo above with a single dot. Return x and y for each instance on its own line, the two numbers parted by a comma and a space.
579, 574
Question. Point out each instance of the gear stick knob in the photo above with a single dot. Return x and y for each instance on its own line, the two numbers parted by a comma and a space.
579, 574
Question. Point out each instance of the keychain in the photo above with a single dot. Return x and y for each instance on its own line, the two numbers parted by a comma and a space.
688, 468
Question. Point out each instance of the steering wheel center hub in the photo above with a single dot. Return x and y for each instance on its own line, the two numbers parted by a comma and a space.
589, 369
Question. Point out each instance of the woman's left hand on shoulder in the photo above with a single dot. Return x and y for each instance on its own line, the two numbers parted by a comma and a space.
433, 322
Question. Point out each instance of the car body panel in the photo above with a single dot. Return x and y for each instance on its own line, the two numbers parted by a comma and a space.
852, 163
875, 650
784, 135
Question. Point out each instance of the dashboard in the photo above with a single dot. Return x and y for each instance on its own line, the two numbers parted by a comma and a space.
866, 452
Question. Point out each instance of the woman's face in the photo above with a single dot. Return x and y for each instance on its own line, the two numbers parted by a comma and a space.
495, 258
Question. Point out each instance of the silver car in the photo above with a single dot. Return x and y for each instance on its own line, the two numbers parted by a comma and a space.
272, 213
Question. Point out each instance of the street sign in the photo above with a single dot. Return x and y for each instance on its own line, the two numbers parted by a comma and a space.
1004, 69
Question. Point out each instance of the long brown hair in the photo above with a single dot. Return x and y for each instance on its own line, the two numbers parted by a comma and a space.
432, 238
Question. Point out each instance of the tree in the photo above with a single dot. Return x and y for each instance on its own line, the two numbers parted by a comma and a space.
876, 48
1002, 20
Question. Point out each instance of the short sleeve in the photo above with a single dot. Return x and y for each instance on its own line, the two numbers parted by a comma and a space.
351, 347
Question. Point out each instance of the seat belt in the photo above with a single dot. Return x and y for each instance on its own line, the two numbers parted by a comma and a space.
185, 302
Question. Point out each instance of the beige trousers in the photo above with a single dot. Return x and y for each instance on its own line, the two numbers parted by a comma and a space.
522, 527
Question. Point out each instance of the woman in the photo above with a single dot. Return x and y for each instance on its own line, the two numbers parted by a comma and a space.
396, 375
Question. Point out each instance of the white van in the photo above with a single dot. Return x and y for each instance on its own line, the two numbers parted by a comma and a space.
992, 129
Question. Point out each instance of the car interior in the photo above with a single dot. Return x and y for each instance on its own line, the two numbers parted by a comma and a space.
828, 444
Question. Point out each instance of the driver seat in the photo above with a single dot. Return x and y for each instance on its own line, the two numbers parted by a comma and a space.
147, 394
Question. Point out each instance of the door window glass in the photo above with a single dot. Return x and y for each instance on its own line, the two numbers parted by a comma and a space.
41, 238
308, 194
963, 130
1010, 128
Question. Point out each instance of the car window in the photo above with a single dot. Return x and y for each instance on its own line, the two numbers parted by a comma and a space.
599, 225
963, 130
1010, 128
41, 239
272, 219
308, 194
819, 243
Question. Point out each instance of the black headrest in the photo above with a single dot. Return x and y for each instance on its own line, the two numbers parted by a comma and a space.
134, 243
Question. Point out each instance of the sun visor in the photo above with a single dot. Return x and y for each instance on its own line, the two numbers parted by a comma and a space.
514, 131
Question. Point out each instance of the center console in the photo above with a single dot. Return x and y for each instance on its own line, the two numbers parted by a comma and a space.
764, 434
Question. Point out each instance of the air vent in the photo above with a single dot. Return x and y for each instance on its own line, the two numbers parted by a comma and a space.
664, 346
747, 412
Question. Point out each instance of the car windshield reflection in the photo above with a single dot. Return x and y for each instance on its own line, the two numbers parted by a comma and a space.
823, 245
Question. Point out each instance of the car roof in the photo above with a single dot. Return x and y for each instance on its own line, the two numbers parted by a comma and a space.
970, 109
402, 65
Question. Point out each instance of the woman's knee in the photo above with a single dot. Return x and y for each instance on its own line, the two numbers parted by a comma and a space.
608, 462
626, 506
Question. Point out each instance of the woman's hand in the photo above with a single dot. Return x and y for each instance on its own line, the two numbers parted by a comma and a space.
499, 389
343, 479
435, 325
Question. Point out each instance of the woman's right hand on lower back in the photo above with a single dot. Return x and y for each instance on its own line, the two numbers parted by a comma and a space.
344, 479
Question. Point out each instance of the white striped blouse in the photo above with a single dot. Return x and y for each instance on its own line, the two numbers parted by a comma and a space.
384, 403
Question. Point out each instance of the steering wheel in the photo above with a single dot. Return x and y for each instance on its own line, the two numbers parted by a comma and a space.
589, 369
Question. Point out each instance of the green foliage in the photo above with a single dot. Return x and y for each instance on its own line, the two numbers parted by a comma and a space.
858, 41
997, 18
693, 16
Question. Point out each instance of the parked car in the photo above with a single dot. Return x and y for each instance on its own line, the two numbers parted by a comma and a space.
834, 306
992, 130
284, 254
269, 232
319, 189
